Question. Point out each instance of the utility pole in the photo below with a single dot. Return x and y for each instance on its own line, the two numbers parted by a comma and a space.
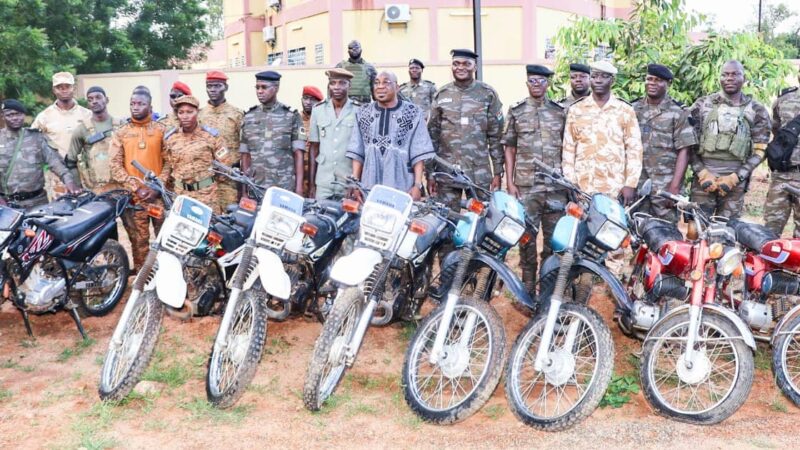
759, 15
476, 32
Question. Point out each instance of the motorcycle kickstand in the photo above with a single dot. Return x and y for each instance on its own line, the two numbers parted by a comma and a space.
27, 322
77, 318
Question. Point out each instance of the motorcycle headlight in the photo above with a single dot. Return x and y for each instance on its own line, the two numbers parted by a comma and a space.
188, 233
611, 235
509, 231
729, 262
282, 225
382, 221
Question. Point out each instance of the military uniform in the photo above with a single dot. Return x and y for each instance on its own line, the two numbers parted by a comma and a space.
665, 129
420, 94
361, 84
567, 101
536, 128
170, 121
781, 204
188, 164
23, 154
271, 134
466, 125
333, 134
89, 159
732, 140
303, 135
227, 120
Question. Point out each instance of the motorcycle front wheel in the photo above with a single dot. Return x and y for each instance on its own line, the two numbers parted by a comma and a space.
786, 360
106, 277
707, 390
328, 362
570, 385
469, 367
124, 363
232, 368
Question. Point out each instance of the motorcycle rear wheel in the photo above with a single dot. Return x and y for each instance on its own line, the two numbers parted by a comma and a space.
786, 360
98, 302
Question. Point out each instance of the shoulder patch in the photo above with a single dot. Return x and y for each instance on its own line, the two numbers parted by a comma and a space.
210, 130
788, 90
170, 132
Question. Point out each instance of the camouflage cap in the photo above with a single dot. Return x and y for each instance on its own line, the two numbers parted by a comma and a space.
339, 73
603, 66
187, 100
63, 78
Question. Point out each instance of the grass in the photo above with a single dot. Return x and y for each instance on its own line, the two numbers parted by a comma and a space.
11, 364
762, 360
173, 375
619, 391
76, 350
90, 426
200, 409
29, 343
5, 394
276, 346
335, 401
778, 405
360, 408
408, 330
494, 412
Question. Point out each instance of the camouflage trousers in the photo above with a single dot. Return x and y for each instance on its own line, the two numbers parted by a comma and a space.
137, 225
712, 203
208, 195
536, 209
227, 193
780, 205
657, 206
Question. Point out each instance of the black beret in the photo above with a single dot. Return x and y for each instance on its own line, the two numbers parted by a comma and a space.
268, 75
537, 69
417, 62
14, 105
463, 53
580, 68
96, 89
660, 71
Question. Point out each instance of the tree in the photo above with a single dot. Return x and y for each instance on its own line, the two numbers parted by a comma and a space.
659, 31
775, 17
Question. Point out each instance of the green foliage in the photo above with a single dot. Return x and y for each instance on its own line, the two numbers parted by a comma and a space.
659, 31
618, 392
76, 350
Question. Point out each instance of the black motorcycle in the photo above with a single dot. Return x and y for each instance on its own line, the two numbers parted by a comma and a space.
65, 256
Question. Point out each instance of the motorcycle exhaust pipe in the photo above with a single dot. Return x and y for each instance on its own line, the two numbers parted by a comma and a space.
780, 283
384, 314
669, 286
282, 314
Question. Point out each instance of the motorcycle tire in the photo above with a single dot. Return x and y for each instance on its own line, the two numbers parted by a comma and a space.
521, 363
117, 382
786, 359
244, 350
577, 291
119, 260
457, 368
672, 330
323, 375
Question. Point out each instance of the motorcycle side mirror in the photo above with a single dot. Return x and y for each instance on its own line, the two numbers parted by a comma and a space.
646, 189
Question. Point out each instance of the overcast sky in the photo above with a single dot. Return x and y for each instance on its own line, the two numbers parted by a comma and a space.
732, 15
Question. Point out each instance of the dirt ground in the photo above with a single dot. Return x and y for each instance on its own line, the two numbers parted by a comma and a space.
48, 395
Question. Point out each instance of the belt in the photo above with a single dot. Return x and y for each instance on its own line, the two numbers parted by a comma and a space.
790, 169
22, 196
196, 186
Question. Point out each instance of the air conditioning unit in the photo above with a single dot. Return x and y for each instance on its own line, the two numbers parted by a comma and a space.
268, 33
397, 13
274, 4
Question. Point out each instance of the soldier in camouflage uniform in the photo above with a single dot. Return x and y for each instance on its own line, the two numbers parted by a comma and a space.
466, 125
310, 98
227, 119
179, 89
188, 155
420, 92
271, 148
781, 204
534, 129
363, 72
23, 153
734, 131
578, 83
666, 137
88, 158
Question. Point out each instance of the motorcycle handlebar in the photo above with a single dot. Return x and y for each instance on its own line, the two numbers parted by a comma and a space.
140, 167
678, 199
444, 163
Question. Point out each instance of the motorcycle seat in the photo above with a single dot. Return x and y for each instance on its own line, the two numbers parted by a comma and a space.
82, 220
752, 235
657, 232
233, 236
435, 227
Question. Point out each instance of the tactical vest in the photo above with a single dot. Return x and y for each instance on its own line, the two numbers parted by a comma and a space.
93, 162
726, 134
359, 85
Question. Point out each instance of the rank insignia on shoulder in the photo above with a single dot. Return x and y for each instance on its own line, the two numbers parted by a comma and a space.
212, 131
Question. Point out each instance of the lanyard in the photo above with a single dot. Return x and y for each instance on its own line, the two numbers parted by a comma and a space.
13, 160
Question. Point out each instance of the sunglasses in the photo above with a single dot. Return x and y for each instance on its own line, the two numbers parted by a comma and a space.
175, 96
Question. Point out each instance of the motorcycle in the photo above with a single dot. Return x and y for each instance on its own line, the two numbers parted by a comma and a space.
697, 359
385, 278
191, 238
284, 269
64, 256
456, 356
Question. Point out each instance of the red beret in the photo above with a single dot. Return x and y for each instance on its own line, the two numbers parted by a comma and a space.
216, 75
183, 87
314, 92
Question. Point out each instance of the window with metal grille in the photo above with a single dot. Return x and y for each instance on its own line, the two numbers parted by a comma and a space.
297, 57
319, 54
272, 57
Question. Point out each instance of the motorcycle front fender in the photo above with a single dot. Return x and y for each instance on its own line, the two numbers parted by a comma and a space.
552, 263
510, 279
169, 282
273, 276
709, 308
353, 269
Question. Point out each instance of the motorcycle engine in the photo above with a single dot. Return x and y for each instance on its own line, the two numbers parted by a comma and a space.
43, 288
644, 315
757, 315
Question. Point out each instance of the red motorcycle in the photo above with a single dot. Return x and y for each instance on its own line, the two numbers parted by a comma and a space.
697, 357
